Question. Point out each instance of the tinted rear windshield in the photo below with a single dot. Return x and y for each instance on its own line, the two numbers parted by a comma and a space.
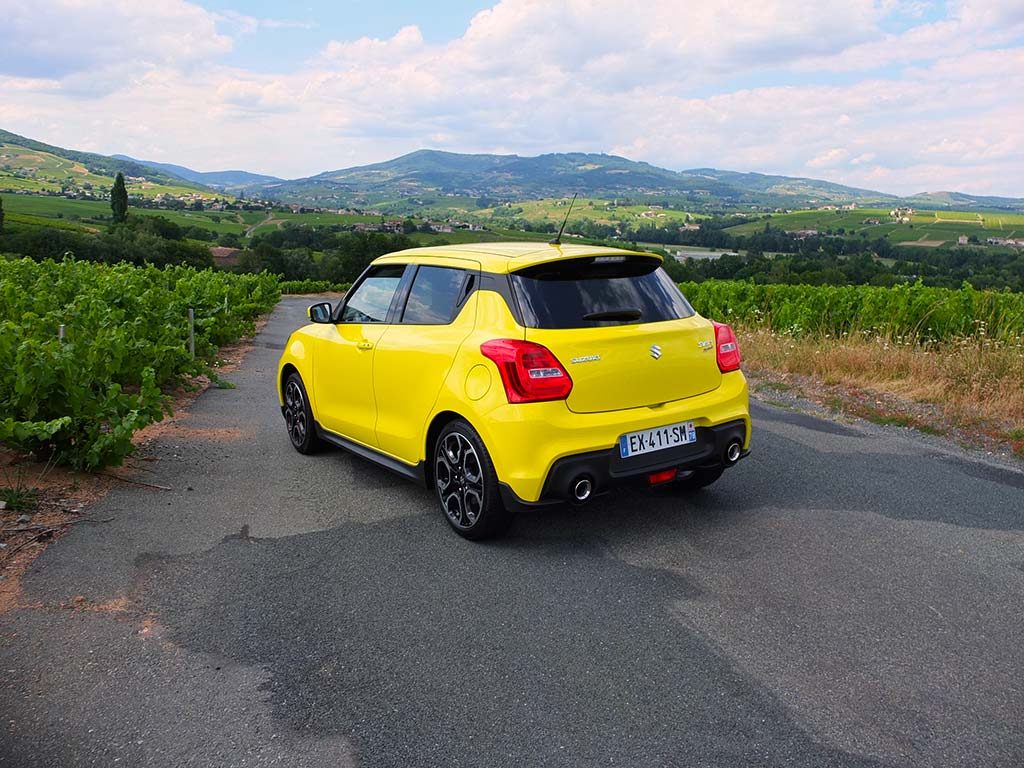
598, 291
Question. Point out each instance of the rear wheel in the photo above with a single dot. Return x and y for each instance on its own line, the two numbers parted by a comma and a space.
700, 478
298, 417
466, 483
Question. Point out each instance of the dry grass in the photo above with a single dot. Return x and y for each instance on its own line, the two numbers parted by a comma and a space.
974, 383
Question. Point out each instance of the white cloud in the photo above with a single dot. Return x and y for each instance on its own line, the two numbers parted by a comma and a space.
531, 76
62, 38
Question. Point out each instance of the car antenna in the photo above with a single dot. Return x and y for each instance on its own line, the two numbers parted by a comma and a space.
558, 237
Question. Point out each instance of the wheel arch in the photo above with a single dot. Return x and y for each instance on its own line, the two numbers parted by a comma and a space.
286, 370
438, 423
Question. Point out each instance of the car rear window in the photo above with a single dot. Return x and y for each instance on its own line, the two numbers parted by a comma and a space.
598, 291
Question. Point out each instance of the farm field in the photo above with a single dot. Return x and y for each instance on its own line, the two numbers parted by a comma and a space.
267, 223
31, 170
926, 227
589, 209
41, 210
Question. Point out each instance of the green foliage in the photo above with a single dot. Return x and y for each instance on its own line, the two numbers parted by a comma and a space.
312, 286
913, 312
119, 199
1, 214
126, 336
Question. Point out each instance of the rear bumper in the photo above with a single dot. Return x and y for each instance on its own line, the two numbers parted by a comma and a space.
605, 469
529, 442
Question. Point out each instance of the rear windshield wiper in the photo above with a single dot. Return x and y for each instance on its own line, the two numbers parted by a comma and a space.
627, 313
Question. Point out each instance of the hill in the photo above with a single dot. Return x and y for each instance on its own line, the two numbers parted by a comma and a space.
27, 165
429, 173
226, 180
432, 182
429, 177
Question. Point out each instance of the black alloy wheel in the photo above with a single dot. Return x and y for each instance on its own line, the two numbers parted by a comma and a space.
466, 483
298, 417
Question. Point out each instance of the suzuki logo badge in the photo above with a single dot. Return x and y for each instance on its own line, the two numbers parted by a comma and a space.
655, 351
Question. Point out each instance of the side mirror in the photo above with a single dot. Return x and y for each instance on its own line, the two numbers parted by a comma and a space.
320, 313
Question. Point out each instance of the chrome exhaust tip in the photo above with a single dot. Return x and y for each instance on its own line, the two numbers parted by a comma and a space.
582, 488
732, 453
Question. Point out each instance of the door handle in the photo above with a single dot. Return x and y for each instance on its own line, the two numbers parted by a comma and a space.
364, 345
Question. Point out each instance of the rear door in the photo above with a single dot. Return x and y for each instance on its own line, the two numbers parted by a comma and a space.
621, 328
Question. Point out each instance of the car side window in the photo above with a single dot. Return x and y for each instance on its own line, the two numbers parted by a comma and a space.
370, 301
435, 296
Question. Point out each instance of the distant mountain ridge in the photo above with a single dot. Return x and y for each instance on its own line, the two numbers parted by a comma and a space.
217, 179
512, 177
434, 175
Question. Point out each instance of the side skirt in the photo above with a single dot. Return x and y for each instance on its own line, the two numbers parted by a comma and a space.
382, 459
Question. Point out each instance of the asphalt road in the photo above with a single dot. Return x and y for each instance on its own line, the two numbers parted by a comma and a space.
847, 596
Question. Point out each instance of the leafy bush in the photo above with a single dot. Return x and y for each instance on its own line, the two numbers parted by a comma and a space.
312, 286
909, 311
126, 336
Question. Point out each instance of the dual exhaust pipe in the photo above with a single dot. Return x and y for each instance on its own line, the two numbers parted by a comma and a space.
582, 488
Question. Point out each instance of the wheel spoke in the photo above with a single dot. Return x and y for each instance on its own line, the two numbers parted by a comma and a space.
295, 413
459, 480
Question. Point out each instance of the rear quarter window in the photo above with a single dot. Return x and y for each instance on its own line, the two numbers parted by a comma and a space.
598, 291
435, 296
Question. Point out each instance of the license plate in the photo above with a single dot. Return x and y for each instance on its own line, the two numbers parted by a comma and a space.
657, 439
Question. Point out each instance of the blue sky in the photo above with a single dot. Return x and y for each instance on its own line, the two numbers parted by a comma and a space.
316, 24
897, 95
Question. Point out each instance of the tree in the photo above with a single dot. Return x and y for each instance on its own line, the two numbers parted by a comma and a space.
1, 214
119, 199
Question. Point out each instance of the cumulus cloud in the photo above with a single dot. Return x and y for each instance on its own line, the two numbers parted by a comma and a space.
63, 38
739, 85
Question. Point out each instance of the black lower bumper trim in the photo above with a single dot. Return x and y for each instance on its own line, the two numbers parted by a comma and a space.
607, 468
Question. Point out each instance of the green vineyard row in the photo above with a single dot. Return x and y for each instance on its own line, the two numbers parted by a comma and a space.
83, 392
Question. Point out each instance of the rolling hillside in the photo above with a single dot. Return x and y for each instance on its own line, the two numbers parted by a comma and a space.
427, 178
429, 173
27, 165
227, 180
429, 182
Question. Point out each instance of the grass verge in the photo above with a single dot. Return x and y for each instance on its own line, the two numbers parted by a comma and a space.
973, 386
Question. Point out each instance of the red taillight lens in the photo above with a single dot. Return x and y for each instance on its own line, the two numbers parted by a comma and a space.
726, 348
529, 371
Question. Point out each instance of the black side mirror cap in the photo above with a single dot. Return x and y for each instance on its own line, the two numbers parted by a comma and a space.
320, 312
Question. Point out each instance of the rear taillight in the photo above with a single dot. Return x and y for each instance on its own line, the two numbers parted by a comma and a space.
529, 371
726, 348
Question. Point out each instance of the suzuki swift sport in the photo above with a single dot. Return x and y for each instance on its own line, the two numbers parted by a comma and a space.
505, 375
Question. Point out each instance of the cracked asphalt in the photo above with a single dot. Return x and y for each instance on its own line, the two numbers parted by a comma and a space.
846, 596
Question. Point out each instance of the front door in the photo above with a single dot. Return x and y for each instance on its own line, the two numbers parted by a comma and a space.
343, 363
417, 351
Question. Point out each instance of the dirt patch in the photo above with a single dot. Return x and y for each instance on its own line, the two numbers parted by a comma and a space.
212, 434
59, 498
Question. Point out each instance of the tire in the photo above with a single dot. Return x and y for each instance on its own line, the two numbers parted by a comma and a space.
700, 478
298, 417
466, 483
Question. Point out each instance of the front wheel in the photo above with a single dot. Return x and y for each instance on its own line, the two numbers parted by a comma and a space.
298, 416
466, 483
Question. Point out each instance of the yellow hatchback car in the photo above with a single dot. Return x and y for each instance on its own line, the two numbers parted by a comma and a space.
505, 375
